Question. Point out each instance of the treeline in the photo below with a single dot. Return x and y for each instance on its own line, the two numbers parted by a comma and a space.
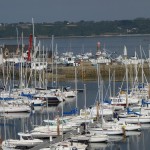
81, 28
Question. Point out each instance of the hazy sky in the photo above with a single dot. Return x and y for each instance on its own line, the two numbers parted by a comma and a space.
12, 11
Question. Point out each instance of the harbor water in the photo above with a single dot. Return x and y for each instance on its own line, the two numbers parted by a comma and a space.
26, 122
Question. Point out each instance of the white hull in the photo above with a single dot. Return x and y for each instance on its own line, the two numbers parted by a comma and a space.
98, 138
65, 145
132, 127
80, 138
44, 134
113, 138
121, 124
52, 129
14, 109
25, 141
106, 132
136, 119
20, 143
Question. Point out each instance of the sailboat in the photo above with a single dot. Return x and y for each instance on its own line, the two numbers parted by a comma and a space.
13, 108
132, 115
92, 138
113, 130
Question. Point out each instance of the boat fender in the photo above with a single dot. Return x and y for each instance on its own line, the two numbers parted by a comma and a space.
124, 130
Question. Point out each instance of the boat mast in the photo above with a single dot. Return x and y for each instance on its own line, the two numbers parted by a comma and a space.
142, 68
76, 86
114, 87
39, 63
85, 106
46, 81
3, 70
52, 59
98, 102
149, 56
44, 64
109, 83
21, 84
56, 67
126, 66
102, 102
13, 71
142, 71
98, 75
33, 34
85, 96
33, 48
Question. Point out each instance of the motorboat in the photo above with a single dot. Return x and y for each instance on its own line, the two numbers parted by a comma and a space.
26, 141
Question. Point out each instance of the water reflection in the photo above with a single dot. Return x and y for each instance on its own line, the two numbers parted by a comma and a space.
98, 146
15, 115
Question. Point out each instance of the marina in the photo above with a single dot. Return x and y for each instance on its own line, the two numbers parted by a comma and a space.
94, 106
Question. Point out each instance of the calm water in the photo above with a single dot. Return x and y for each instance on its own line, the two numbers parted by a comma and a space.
78, 45
88, 44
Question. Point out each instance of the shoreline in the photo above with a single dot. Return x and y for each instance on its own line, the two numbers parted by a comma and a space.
90, 36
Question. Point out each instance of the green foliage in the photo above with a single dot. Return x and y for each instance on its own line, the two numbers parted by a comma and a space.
81, 28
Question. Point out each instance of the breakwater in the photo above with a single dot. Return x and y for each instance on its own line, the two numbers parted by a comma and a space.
83, 72
88, 72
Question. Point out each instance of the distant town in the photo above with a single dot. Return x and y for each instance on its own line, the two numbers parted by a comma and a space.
81, 28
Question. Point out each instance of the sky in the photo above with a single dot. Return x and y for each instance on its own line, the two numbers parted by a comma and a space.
13, 11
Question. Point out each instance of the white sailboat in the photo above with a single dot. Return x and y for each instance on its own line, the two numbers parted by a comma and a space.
113, 130
6, 107
134, 118
122, 124
106, 131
